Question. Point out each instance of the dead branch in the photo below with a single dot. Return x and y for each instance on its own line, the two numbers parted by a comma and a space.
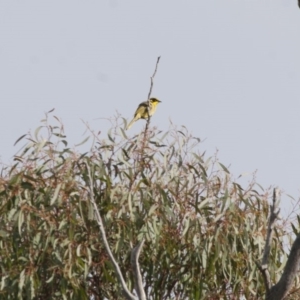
135, 253
280, 290
152, 77
128, 295
274, 211
149, 117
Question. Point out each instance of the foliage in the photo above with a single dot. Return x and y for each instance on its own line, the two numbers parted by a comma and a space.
203, 231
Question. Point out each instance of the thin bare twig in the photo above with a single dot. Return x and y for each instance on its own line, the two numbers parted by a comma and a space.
135, 253
126, 292
141, 159
152, 77
149, 95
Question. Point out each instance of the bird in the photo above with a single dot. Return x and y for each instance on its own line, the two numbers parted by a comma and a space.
144, 110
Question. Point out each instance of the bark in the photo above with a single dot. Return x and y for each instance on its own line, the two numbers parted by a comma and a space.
280, 290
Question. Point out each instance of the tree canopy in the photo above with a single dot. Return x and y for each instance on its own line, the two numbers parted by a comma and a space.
204, 233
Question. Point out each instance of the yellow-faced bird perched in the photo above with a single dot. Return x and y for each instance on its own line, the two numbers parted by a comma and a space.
143, 111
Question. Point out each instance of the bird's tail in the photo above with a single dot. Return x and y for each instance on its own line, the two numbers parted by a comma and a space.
130, 124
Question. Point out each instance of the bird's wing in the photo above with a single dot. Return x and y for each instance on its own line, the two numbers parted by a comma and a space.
141, 109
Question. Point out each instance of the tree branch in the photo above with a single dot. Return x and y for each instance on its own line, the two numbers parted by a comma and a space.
281, 289
150, 92
274, 212
128, 295
149, 95
152, 77
263, 268
135, 253
266, 276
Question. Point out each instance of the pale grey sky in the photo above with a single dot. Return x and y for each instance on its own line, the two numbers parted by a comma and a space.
229, 72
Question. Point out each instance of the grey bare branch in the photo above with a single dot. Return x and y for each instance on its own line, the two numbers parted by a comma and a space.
280, 290
274, 211
135, 253
128, 295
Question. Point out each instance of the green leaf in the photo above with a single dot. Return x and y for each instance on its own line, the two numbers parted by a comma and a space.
20, 221
3, 233
123, 133
295, 230
83, 142
55, 195
51, 278
19, 139
21, 280
224, 168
